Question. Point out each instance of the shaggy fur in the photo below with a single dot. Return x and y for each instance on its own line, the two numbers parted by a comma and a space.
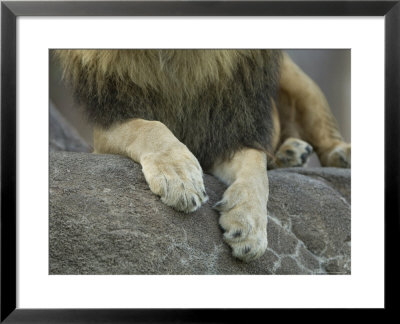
214, 101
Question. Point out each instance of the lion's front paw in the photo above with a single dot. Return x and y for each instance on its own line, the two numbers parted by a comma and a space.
176, 176
293, 153
244, 224
340, 156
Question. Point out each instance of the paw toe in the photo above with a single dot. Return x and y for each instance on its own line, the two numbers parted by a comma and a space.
251, 250
176, 176
220, 205
340, 156
293, 153
237, 234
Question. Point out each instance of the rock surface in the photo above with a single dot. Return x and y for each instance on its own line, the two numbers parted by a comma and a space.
105, 220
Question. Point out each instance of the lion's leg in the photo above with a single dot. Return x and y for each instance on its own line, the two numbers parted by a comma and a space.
310, 117
243, 207
293, 152
170, 169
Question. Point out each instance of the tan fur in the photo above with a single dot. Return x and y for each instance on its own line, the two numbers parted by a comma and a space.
276, 137
304, 113
244, 204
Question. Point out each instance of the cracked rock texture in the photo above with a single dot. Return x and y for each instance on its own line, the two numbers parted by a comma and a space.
105, 220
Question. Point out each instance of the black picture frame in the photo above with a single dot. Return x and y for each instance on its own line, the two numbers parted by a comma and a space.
11, 10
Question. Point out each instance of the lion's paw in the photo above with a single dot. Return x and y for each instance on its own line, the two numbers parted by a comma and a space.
244, 225
293, 153
176, 176
340, 156
250, 248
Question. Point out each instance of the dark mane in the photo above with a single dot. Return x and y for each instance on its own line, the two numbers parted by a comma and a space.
228, 108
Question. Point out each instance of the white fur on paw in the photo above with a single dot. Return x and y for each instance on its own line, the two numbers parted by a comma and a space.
176, 176
340, 156
244, 222
293, 153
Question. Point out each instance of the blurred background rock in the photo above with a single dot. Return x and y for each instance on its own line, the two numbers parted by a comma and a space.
330, 69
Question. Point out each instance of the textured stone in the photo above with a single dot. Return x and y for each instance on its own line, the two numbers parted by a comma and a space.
280, 239
309, 260
288, 265
105, 220
313, 209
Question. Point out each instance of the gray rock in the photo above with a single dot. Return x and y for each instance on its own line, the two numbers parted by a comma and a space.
62, 136
288, 265
105, 220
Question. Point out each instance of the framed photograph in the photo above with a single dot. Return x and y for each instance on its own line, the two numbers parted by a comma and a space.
66, 255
